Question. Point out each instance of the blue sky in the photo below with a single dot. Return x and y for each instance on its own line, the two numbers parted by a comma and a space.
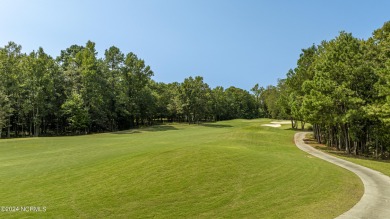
230, 43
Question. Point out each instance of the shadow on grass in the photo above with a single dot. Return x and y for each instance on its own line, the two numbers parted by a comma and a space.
211, 125
159, 128
156, 128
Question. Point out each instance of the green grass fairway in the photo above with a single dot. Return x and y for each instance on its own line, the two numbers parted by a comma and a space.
229, 169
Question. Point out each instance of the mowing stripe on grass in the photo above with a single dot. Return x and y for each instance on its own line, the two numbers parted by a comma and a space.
227, 169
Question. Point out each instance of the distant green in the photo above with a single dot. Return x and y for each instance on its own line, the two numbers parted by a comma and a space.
230, 169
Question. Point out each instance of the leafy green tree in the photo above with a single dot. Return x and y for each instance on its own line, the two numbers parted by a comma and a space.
240, 104
218, 103
136, 76
113, 64
147, 106
76, 112
378, 109
162, 95
380, 44
10, 56
271, 96
295, 79
194, 96
38, 69
175, 104
334, 100
92, 86
260, 105
5, 108
70, 68
85, 79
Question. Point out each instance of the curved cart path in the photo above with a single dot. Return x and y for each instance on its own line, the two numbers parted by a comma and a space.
375, 202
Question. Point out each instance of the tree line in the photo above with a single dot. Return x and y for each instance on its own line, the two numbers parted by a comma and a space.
78, 93
342, 88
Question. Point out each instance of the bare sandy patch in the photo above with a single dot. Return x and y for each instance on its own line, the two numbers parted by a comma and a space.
281, 122
272, 125
276, 124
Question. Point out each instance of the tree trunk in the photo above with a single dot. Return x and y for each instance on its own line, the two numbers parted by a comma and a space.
9, 127
316, 133
36, 126
30, 131
334, 136
319, 134
57, 126
346, 138
16, 126
381, 150
44, 128
355, 147
340, 144
376, 147
36, 129
330, 137
337, 140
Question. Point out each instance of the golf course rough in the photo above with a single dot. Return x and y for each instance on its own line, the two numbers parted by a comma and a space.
230, 169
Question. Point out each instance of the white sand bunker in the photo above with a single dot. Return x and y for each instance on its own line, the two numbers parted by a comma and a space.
276, 124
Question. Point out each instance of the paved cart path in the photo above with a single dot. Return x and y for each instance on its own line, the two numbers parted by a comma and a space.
375, 202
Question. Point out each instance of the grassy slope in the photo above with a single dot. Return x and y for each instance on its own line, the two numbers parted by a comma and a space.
229, 169
381, 166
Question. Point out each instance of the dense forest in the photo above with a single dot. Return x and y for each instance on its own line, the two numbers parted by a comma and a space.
79, 93
342, 88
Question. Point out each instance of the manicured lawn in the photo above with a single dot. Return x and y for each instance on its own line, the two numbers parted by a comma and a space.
229, 169
378, 165
381, 166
